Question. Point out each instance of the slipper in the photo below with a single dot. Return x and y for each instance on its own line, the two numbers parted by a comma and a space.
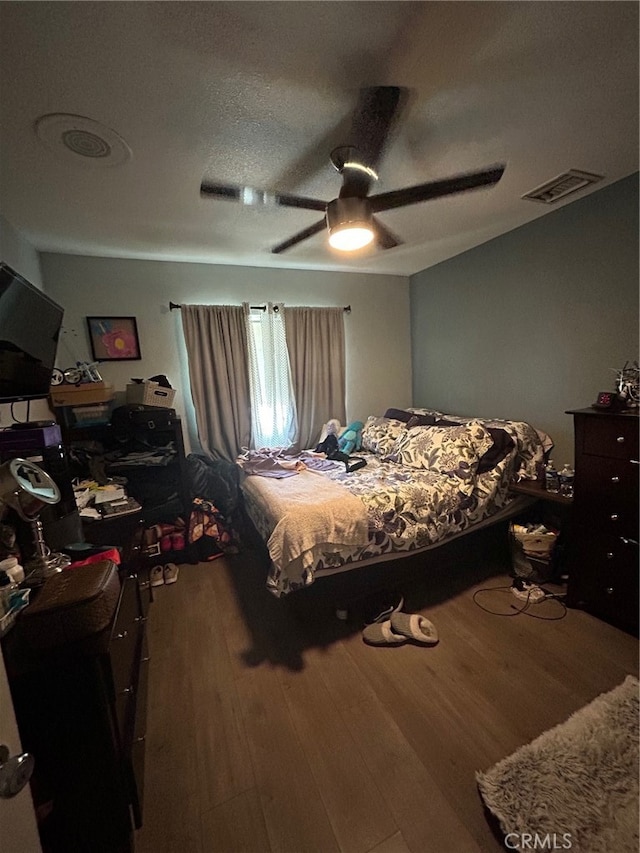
414, 627
156, 575
380, 634
170, 573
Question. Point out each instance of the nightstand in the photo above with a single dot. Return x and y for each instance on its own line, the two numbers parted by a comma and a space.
554, 511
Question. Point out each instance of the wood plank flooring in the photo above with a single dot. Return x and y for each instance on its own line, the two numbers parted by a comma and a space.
272, 728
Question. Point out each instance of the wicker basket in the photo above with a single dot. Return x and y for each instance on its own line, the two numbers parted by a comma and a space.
150, 394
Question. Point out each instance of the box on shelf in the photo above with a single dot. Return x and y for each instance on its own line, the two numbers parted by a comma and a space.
91, 415
150, 394
81, 395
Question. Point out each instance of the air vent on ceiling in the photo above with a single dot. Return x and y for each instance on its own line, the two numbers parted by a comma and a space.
79, 139
561, 186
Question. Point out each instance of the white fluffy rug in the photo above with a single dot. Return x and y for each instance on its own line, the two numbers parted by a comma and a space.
577, 782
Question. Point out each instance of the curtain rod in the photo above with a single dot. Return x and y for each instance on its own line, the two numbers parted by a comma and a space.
174, 306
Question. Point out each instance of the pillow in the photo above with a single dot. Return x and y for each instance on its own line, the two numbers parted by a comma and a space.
452, 450
410, 417
502, 445
379, 435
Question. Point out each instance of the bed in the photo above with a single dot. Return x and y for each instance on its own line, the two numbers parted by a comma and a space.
429, 477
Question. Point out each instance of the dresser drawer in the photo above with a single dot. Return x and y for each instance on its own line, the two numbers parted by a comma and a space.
616, 521
125, 638
140, 727
603, 576
599, 478
611, 437
614, 596
598, 554
137, 779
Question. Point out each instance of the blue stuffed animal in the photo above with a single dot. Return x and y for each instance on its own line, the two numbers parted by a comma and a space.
351, 437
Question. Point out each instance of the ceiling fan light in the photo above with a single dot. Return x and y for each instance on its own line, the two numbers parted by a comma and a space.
349, 224
350, 237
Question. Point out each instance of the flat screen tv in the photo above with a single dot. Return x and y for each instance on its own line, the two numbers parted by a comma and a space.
30, 325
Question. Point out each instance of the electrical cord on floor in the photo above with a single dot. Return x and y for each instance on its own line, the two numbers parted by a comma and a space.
524, 609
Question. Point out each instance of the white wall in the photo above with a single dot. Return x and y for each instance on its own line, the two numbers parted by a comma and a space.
21, 256
18, 252
378, 344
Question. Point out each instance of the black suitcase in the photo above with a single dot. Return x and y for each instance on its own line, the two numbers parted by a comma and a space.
132, 417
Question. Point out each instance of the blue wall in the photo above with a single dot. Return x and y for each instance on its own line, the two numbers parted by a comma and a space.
531, 323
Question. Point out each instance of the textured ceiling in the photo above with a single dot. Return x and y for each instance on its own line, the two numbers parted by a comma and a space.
259, 93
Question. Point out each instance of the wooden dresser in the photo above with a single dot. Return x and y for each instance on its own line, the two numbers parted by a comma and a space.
603, 552
81, 711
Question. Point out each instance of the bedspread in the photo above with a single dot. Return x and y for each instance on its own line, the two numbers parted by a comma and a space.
308, 513
383, 509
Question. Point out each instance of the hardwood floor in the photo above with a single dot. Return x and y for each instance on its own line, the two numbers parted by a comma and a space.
273, 727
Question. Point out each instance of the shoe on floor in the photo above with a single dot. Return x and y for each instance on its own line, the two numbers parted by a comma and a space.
381, 634
170, 573
381, 612
156, 576
414, 627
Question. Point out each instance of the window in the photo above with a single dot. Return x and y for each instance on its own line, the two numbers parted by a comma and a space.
273, 408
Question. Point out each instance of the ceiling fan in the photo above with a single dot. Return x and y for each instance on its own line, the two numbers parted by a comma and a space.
350, 218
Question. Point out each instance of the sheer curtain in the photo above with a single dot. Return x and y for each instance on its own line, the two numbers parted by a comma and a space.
273, 407
216, 342
315, 340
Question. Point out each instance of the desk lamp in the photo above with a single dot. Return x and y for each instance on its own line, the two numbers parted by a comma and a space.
27, 489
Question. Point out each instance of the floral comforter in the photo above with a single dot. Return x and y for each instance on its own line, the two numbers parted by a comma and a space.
407, 508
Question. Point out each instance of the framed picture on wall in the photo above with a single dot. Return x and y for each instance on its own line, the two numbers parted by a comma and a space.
114, 338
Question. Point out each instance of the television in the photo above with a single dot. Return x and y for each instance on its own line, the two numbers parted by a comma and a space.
30, 324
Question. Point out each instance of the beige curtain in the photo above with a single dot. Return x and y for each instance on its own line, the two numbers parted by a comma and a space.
216, 341
315, 340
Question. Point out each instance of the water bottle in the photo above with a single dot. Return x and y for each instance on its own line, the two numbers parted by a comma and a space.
551, 479
566, 481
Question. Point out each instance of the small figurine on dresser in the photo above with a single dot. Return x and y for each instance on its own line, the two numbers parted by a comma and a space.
628, 385
626, 397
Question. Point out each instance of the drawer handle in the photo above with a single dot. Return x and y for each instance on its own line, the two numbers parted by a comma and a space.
609, 590
635, 461
133, 576
614, 516
620, 439
609, 555
140, 619
121, 635
145, 660
615, 479
127, 690
144, 585
140, 739
629, 541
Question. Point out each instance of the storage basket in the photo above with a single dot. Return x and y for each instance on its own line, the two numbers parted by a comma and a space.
150, 394
91, 415
532, 551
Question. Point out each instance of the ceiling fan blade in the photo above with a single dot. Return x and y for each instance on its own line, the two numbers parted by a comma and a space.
436, 189
299, 237
371, 125
372, 121
286, 200
385, 238
254, 197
